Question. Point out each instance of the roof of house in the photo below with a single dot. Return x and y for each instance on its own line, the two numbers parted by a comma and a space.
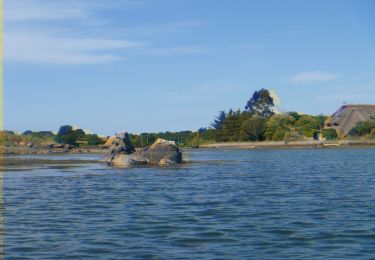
347, 116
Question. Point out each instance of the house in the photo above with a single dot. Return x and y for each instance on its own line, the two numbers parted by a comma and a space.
347, 116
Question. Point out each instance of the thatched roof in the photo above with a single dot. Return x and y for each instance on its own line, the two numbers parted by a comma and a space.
347, 116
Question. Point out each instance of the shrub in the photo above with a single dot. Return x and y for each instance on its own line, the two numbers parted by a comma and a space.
93, 139
252, 129
329, 134
362, 128
307, 125
277, 126
292, 136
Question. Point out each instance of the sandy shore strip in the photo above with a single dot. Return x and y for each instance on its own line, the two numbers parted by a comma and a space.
296, 144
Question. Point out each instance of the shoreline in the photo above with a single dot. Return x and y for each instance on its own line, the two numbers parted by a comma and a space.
290, 145
22, 150
42, 150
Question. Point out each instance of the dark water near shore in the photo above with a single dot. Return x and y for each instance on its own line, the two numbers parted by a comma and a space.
235, 204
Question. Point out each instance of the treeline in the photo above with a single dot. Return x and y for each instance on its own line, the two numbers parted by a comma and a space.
65, 135
77, 137
182, 138
247, 126
10, 138
258, 122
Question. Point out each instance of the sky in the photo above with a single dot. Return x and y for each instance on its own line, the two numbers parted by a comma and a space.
158, 65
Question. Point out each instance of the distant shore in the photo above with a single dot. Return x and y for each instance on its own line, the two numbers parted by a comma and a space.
23, 150
58, 149
295, 144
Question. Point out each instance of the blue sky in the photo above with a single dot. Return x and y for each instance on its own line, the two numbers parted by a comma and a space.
157, 65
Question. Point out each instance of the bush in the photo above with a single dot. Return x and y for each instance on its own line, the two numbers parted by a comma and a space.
292, 136
93, 139
252, 129
307, 125
277, 126
329, 134
363, 128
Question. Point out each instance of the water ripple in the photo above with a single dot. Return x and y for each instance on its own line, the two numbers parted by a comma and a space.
271, 204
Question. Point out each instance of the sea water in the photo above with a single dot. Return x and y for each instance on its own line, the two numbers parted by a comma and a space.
222, 204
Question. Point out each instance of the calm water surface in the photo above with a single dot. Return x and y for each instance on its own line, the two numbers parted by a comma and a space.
226, 204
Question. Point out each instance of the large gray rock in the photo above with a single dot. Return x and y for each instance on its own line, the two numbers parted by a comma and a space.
161, 152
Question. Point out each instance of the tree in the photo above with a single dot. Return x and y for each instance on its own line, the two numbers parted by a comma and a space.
231, 127
93, 139
202, 130
65, 129
252, 129
67, 135
219, 120
79, 134
261, 103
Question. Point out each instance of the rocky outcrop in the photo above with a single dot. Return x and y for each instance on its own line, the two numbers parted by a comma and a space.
121, 145
110, 141
162, 152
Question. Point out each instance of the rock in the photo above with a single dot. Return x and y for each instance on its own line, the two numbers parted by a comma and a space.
122, 145
162, 152
110, 141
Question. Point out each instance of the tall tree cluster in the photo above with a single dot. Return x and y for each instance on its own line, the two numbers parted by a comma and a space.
258, 122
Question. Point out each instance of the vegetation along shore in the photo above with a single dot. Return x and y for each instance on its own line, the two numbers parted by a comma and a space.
259, 125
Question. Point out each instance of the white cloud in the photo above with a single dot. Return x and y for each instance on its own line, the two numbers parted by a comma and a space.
173, 27
51, 10
22, 10
45, 48
175, 50
29, 39
64, 32
313, 76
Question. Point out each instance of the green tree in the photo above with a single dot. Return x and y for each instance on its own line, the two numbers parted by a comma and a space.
93, 139
79, 134
67, 135
232, 126
252, 129
261, 103
219, 120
